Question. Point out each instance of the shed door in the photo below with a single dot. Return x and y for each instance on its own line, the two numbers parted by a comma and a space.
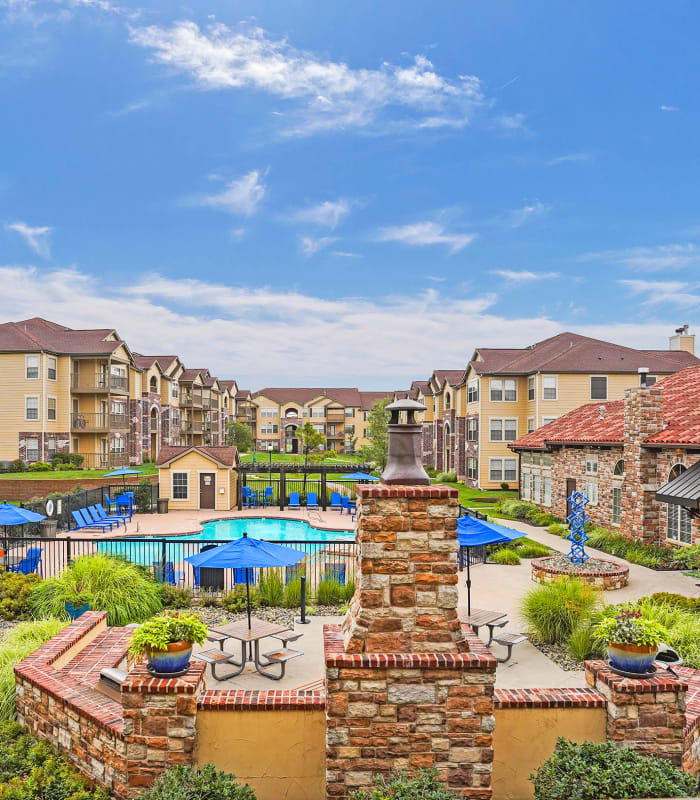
207, 490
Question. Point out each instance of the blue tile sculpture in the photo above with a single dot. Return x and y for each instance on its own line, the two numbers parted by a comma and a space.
577, 520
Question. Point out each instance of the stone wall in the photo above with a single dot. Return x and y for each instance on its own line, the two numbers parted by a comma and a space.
22, 490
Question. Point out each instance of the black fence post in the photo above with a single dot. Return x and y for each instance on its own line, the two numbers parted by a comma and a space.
68, 551
324, 483
301, 619
283, 488
163, 557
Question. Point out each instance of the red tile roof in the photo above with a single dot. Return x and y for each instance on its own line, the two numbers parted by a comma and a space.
40, 334
224, 455
681, 413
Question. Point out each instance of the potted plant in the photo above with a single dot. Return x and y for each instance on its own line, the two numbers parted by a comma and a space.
166, 640
77, 605
631, 640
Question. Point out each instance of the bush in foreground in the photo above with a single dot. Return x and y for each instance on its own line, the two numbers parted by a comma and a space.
15, 591
593, 771
124, 590
207, 783
555, 610
399, 786
505, 556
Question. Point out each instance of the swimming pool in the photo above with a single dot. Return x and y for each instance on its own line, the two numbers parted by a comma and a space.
276, 530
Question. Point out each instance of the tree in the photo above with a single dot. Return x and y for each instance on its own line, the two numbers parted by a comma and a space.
239, 435
311, 440
378, 434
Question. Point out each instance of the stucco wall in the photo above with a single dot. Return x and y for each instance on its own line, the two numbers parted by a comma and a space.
281, 754
193, 464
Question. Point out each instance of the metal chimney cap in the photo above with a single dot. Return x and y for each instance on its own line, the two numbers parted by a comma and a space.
405, 405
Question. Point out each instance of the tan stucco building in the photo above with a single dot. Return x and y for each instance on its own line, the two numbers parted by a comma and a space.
198, 477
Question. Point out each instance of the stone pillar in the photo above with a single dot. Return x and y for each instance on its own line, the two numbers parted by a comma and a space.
640, 511
404, 692
159, 723
647, 715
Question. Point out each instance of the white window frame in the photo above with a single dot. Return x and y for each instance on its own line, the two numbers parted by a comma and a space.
37, 450
536, 487
38, 407
264, 432
506, 382
493, 381
27, 359
55, 417
121, 441
472, 468
590, 387
473, 391
173, 473
503, 421
547, 420
683, 525
491, 469
269, 412
545, 388
531, 389
473, 429
592, 465
350, 412
546, 490
502, 461
318, 412
616, 505
49, 359
525, 484
530, 424
590, 489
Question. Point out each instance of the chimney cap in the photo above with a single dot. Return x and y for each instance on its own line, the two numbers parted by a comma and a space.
643, 370
405, 405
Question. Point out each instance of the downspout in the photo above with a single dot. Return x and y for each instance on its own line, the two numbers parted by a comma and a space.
44, 405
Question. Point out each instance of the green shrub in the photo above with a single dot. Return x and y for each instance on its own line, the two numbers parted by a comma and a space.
186, 783
431, 471
60, 460
208, 599
15, 591
590, 771
446, 477
555, 610
33, 770
505, 486
39, 466
143, 495
330, 593
17, 466
235, 602
349, 590
399, 786
175, 596
517, 509
14, 646
533, 550
675, 600
636, 552
75, 460
558, 529
505, 556
271, 587
584, 644
689, 557
124, 590
292, 593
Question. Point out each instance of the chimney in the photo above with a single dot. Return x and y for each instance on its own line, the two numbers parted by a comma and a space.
682, 340
643, 372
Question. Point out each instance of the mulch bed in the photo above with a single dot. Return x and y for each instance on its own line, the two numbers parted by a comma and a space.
592, 565
213, 615
559, 655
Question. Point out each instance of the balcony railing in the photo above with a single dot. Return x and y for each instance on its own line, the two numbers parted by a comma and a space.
99, 382
193, 399
104, 461
192, 427
95, 423
335, 416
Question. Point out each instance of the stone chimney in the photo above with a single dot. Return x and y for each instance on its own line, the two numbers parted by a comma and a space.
643, 417
682, 340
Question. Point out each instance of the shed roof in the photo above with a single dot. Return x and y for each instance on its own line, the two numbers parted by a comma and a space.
226, 456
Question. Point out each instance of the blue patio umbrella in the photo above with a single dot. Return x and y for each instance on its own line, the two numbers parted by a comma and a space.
247, 553
123, 472
473, 532
359, 476
15, 515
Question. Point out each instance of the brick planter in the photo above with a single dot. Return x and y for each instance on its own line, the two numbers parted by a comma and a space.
544, 572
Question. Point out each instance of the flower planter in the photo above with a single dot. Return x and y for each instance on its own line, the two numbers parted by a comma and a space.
632, 657
171, 662
75, 611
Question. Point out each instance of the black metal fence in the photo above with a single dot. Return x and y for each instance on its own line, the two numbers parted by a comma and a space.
165, 557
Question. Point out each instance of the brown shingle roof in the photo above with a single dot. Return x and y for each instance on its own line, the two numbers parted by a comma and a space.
40, 334
370, 398
189, 375
228, 456
345, 396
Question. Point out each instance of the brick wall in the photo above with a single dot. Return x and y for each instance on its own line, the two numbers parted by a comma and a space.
427, 445
22, 490
472, 451
135, 432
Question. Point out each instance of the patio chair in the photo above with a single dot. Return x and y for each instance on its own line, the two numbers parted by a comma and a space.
294, 500
311, 501
109, 502
239, 576
104, 515
125, 501
92, 513
250, 499
344, 504
29, 563
335, 501
268, 498
82, 522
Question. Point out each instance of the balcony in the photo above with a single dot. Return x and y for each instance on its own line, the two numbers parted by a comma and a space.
98, 382
81, 422
335, 416
192, 427
105, 461
193, 399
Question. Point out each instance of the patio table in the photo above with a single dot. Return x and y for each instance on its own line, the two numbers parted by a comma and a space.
480, 618
248, 637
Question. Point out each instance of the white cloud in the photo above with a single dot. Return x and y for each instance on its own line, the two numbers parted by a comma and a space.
419, 234
570, 158
675, 293
524, 275
345, 254
242, 196
329, 214
36, 238
310, 245
324, 94
520, 216
302, 336
669, 108
649, 259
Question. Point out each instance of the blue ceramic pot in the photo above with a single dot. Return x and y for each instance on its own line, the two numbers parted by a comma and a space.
74, 612
632, 657
166, 662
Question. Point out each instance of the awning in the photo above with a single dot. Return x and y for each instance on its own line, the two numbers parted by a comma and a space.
683, 490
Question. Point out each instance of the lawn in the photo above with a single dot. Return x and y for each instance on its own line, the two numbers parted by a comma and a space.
262, 457
71, 474
475, 498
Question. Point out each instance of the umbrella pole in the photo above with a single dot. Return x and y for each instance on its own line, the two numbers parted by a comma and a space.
247, 596
469, 584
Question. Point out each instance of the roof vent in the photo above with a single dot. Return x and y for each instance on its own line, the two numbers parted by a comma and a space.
602, 411
643, 372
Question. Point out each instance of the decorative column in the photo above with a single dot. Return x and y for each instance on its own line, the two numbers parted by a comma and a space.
403, 689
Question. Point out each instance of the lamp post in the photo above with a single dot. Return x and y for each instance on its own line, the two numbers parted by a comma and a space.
269, 474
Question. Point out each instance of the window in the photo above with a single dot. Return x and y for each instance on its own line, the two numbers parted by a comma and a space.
269, 428
536, 484
619, 468
503, 469
678, 524
180, 486
473, 391
118, 446
546, 490
304, 412
31, 408
51, 368
590, 489
616, 505
511, 390
546, 459
531, 387
536, 459
33, 449
599, 387
591, 465
291, 412
530, 424
526, 458
153, 384
318, 427
547, 420
31, 367
549, 387
318, 412
472, 429
50, 448
448, 400
119, 407
268, 412
51, 409
525, 490
176, 389
503, 430
349, 412
650, 381
472, 469
496, 389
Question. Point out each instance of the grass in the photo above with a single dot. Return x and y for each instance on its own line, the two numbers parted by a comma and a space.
555, 610
470, 497
505, 556
71, 474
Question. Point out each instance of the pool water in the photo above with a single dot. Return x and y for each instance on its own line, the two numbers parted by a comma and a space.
277, 530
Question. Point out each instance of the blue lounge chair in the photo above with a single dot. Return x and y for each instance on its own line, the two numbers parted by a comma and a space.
29, 563
81, 522
88, 519
334, 572
294, 500
103, 514
92, 513
344, 504
311, 501
335, 501
196, 578
268, 499
249, 497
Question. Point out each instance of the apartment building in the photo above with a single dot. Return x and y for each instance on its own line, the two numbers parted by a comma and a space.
472, 416
86, 392
340, 414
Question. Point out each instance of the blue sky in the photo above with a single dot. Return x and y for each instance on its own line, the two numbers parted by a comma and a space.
350, 194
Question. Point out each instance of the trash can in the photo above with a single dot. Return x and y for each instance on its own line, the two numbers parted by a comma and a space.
48, 528
162, 505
